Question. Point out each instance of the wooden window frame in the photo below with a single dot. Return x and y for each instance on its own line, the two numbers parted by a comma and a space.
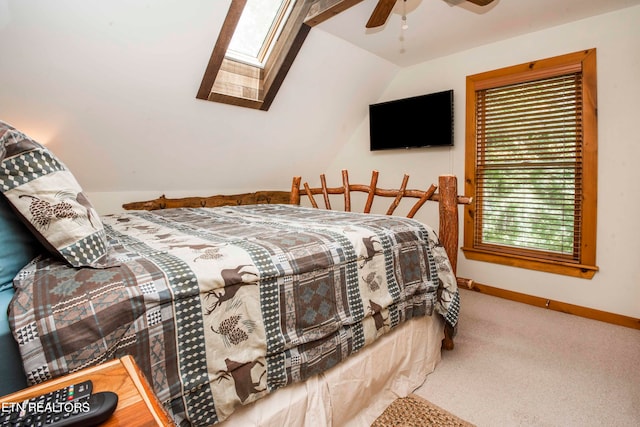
236, 83
563, 64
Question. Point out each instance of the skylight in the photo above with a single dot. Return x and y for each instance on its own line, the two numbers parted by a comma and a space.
256, 46
257, 30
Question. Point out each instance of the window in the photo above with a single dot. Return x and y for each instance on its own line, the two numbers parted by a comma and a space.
259, 26
254, 51
251, 78
531, 165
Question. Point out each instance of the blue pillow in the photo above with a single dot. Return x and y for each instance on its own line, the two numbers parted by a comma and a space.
18, 245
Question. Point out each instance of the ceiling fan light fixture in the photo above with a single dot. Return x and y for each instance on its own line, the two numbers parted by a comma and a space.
384, 7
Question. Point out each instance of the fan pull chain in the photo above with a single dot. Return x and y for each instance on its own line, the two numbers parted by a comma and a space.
404, 16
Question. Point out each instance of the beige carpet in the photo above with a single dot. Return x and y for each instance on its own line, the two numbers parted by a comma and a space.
519, 365
414, 411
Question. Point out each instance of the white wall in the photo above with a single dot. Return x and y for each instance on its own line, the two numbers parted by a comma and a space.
616, 36
110, 87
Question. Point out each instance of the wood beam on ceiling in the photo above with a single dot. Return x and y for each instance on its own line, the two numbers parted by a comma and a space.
321, 10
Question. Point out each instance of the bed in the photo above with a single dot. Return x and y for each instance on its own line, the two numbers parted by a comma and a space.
266, 313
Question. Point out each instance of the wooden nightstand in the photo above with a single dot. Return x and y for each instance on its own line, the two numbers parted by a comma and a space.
137, 405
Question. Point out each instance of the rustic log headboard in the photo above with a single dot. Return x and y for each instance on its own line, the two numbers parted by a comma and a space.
258, 197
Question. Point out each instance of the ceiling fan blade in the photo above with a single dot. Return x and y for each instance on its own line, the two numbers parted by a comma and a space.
380, 13
480, 2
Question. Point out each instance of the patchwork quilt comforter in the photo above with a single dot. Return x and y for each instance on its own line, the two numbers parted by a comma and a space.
221, 306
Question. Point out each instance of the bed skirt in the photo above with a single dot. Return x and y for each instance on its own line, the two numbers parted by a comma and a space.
355, 392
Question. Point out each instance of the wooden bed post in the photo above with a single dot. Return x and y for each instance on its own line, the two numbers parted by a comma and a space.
448, 230
448, 220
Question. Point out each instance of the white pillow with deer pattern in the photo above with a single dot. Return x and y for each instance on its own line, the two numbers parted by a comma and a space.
49, 200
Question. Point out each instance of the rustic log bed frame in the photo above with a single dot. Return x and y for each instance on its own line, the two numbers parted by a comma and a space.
447, 198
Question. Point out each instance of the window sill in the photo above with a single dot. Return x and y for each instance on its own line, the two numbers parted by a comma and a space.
556, 267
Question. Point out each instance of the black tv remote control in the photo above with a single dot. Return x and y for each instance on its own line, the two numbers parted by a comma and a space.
72, 406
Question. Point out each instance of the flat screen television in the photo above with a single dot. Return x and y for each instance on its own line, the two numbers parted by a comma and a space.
418, 121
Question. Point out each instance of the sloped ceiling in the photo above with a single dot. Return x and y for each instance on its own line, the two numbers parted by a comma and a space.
441, 27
